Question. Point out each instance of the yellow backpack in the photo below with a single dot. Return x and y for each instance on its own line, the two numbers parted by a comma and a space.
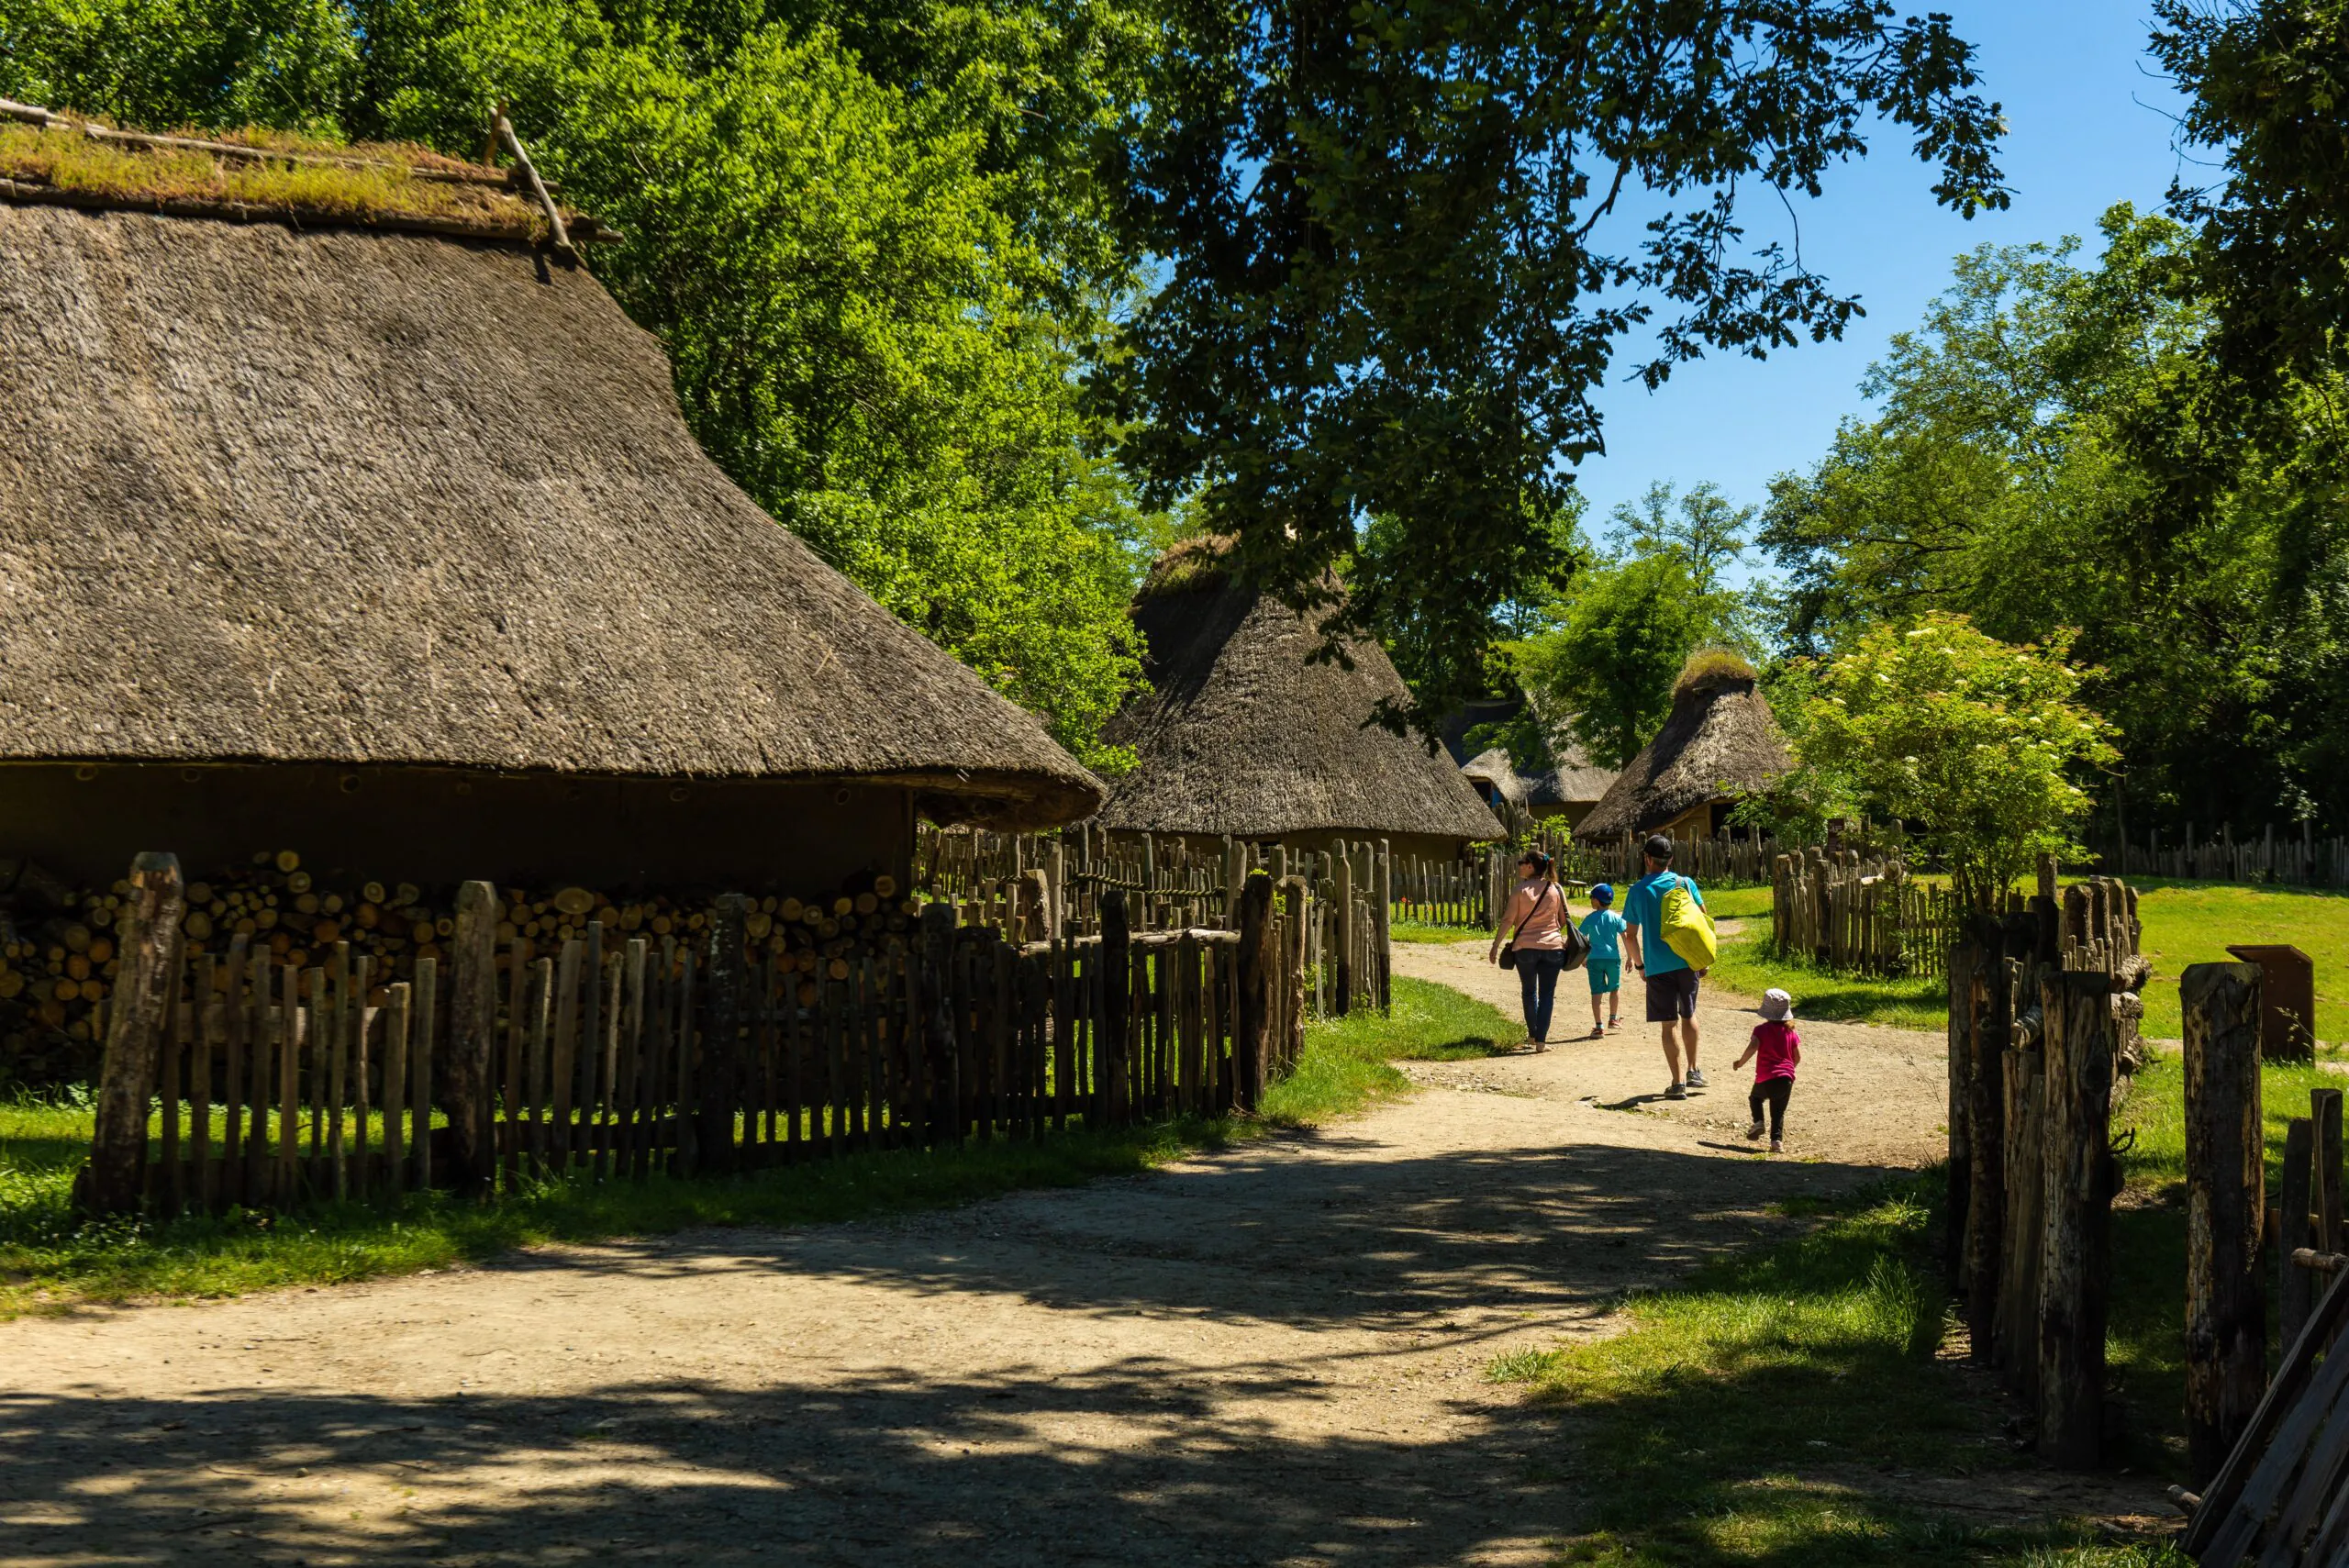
1687, 929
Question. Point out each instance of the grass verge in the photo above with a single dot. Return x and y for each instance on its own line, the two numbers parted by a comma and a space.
50, 1259
1780, 1408
1750, 964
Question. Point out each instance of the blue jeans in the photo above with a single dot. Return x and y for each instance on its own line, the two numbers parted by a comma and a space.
1537, 974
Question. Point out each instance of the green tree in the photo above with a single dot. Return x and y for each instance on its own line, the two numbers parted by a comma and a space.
2004, 478
1616, 650
1980, 744
874, 293
1401, 243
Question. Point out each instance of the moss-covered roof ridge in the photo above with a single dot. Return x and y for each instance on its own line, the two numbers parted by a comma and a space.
60, 160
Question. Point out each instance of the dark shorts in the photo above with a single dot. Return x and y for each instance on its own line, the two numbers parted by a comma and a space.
1671, 994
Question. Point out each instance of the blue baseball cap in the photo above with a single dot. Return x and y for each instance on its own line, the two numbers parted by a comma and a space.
1603, 894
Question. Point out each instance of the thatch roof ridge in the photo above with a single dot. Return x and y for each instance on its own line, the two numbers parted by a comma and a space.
49, 159
1719, 740
344, 496
1242, 734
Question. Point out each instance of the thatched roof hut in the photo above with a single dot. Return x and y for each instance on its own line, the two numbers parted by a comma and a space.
1719, 742
315, 518
1496, 779
1241, 734
1573, 788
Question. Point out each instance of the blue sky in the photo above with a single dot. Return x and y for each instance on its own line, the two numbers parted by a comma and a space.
2088, 125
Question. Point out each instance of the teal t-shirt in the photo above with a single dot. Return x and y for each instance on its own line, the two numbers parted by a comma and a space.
1643, 907
1605, 929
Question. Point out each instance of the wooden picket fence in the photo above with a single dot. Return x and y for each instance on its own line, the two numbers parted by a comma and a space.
228, 1081
1456, 892
2298, 859
1034, 885
1861, 915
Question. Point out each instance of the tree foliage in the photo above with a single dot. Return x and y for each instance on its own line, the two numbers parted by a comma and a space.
857, 231
2005, 478
1980, 744
1399, 253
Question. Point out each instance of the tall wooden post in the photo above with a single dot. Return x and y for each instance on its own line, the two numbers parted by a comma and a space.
1382, 894
1342, 864
2226, 1305
2296, 1292
2324, 1111
1993, 1008
1116, 993
473, 1021
934, 986
1965, 958
2076, 1257
720, 1077
1252, 1045
147, 933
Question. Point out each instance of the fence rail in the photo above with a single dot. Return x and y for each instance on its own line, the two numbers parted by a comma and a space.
623, 1058
1868, 917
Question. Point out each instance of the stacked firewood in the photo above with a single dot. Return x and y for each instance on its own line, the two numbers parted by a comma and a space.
57, 965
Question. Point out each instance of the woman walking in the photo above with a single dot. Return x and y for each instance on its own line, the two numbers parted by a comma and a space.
1536, 921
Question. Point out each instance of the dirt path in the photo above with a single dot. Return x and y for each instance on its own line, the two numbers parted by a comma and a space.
1271, 1355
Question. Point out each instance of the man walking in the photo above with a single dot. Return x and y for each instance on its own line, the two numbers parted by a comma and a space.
1670, 984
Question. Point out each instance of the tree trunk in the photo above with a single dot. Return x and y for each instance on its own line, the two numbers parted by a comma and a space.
149, 935
473, 1020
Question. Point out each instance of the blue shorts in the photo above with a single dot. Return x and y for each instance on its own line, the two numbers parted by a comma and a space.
1606, 975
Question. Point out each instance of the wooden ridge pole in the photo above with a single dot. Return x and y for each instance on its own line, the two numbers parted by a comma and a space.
149, 936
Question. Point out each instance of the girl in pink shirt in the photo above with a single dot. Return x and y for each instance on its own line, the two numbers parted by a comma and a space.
1775, 1052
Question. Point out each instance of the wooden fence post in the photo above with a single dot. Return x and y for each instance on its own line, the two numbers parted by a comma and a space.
1384, 896
1252, 1041
935, 1055
472, 1019
2226, 1306
2076, 1256
2296, 1286
1963, 958
721, 1078
2324, 1111
1116, 970
148, 934
1992, 1005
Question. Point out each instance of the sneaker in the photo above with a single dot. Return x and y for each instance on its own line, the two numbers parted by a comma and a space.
1597, 1033
1614, 1024
1776, 1147
1696, 1079
1676, 1092
1753, 1133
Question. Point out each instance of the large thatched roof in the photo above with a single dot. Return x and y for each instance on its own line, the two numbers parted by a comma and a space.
291, 493
1719, 742
1242, 735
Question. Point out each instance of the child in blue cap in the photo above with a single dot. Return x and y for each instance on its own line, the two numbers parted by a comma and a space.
1604, 928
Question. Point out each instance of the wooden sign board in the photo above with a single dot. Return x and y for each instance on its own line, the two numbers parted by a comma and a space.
2288, 1000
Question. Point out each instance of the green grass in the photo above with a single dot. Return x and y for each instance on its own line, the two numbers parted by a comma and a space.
48, 1258
1765, 1412
1750, 965
1346, 1059
1417, 931
2193, 922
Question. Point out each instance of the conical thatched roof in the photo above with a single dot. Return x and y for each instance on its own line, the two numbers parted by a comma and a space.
350, 495
1492, 766
1242, 734
1720, 741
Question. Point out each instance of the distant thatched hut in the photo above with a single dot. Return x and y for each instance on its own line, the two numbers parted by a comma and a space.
1240, 734
1496, 779
1720, 742
376, 530
1573, 788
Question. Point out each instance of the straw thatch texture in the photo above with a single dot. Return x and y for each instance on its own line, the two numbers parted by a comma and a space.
341, 496
1242, 734
1719, 742
1492, 767
1576, 780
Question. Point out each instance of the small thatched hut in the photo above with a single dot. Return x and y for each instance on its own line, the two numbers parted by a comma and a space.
1573, 788
1241, 734
373, 528
1496, 779
1720, 742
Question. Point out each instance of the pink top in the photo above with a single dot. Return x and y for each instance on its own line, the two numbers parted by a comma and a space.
1776, 1049
1541, 906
